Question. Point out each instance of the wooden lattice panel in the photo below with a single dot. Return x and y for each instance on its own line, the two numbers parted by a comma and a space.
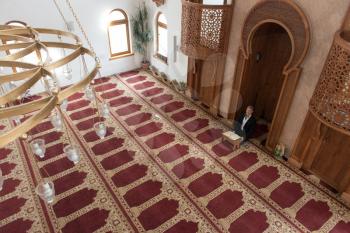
204, 29
331, 99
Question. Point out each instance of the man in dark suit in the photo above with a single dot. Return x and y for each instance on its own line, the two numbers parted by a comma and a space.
245, 125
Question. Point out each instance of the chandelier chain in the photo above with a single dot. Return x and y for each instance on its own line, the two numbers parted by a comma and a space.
61, 13
81, 29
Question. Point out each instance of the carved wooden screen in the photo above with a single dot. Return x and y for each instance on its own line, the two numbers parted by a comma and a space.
204, 28
331, 99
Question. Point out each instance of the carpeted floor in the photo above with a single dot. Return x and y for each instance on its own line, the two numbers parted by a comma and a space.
162, 168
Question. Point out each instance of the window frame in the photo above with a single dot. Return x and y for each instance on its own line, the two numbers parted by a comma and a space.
125, 22
165, 26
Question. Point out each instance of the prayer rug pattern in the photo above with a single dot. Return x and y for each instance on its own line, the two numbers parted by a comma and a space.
162, 167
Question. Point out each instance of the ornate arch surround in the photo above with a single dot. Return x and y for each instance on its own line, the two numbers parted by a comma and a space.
289, 16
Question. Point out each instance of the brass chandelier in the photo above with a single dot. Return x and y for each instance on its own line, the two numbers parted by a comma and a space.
27, 41
21, 41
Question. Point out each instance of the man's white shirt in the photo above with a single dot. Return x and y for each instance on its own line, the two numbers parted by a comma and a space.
245, 120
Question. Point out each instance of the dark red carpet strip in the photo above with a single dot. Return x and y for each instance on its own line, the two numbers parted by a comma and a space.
245, 222
112, 94
50, 137
209, 135
107, 146
184, 227
4, 152
83, 114
69, 181
105, 87
173, 106
162, 99
7, 168
196, 124
287, 194
17, 226
120, 101
222, 149
144, 85
87, 223
76, 96
183, 115
264, 176
118, 159
136, 79
92, 136
149, 128
129, 73
205, 184
129, 175
160, 140
225, 203
98, 81
56, 167
88, 124
138, 118
127, 110
313, 214
243, 161
159, 213
41, 128
143, 193
152, 92
74, 202
9, 186
53, 151
188, 167
341, 227
78, 104
173, 153
11, 206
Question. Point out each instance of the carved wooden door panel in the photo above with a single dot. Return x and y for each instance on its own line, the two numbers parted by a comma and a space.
332, 160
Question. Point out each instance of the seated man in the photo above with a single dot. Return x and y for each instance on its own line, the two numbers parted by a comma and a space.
245, 125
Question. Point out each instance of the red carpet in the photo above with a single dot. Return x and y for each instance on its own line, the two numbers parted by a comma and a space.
161, 168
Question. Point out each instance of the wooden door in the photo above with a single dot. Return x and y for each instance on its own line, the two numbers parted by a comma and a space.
261, 87
332, 160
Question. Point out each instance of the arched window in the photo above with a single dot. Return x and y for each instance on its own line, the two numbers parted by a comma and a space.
118, 33
162, 37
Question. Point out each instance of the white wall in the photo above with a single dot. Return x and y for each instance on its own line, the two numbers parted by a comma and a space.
172, 10
93, 15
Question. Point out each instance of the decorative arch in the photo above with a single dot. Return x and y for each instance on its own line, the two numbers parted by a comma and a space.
289, 16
